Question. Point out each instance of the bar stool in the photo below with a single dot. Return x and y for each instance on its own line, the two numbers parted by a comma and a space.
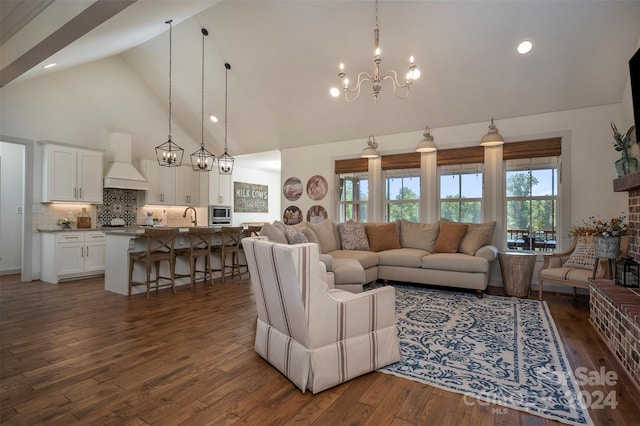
230, 246
160, 243
199, 246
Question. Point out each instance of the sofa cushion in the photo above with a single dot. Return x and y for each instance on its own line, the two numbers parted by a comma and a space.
407, 257
382, 236
450, 236
367, 259
419, 235
353, 236
348, 271
274, 233
311, 236
325, 235
294, 236
457, 262
583, 255
477, 235
581, 275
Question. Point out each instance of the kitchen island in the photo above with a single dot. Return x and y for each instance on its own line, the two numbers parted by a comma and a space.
121, 241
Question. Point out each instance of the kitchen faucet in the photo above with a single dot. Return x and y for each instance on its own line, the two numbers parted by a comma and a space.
194, 219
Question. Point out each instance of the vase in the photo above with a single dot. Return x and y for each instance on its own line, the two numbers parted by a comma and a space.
66, 226
626, 165
606, 247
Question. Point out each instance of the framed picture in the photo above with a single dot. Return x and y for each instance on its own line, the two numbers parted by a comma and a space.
292, 188
317, 187
250, 198
292, 216
316, 214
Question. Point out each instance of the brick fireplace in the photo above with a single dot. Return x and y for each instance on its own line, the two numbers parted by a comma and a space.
615, 310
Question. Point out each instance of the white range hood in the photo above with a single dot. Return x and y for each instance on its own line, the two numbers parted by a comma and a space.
120, 172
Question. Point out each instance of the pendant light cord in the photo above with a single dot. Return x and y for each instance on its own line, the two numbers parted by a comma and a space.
170, 36
226, 91
204, 32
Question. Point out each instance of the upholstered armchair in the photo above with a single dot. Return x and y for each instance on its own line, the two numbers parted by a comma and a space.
316, 336
574, 268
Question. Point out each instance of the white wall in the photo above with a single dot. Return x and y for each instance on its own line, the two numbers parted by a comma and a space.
11, 198
587, 160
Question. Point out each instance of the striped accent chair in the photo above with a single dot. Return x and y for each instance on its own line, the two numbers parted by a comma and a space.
316, 336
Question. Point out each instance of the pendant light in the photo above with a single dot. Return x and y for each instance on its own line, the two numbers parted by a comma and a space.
169, 154
225, 161
202, 160
371, 151
426, 144
492, 138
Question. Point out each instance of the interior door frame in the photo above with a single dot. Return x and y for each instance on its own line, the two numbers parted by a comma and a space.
27, 206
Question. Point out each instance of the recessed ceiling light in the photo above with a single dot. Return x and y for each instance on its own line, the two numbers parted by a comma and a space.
51, 65
213, 118
525, 47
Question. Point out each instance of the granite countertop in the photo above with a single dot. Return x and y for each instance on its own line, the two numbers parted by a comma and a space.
119, 230
56, 228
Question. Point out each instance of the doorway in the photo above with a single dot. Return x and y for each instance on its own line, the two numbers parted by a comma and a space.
16, 199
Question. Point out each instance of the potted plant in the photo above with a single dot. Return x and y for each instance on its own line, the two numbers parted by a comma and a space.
65, 222
626, 164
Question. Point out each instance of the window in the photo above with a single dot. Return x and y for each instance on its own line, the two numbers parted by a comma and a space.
402, 189
461, 192
532, 200
532, 203
401, 179
353, 196
353, 189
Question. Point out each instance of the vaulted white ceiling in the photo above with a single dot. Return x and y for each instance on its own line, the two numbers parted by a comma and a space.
284, 57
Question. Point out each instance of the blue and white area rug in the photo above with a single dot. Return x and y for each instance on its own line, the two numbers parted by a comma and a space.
501, 350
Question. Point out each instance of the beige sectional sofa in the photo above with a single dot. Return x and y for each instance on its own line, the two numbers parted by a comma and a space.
443, 253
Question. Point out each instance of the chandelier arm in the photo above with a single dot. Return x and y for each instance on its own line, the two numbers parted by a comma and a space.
393, 76
362, 77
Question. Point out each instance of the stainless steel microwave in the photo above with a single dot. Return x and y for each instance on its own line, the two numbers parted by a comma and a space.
219, 215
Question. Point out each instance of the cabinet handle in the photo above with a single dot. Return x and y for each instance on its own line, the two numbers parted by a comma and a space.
75, 192
81, 251
87, 251
71, 238
80, 193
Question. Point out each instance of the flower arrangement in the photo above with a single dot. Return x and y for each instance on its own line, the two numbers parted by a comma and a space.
65, 221
157, 220
596, 226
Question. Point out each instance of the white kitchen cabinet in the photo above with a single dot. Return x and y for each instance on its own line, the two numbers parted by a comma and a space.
187, 187
170, 186
162, 183
71, 174
71, 255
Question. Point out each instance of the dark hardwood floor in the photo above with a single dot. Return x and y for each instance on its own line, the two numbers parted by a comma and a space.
74, 354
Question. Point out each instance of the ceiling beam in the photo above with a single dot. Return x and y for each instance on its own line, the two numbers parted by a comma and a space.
96, 14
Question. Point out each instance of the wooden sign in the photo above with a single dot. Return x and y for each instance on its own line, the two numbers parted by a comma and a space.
250, 198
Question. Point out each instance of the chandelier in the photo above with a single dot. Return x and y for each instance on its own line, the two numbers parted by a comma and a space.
169, 154
400, 90
202, 160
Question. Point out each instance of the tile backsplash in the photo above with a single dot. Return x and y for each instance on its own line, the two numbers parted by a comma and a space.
118, 203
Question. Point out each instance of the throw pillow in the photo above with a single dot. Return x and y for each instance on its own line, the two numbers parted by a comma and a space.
324, 234
353, 236
419, 235
273, 233
294, 236
311, 236
382, 236
449, 238
583, 256
478, 235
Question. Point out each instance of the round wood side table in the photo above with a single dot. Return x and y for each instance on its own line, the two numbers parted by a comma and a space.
516, 268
